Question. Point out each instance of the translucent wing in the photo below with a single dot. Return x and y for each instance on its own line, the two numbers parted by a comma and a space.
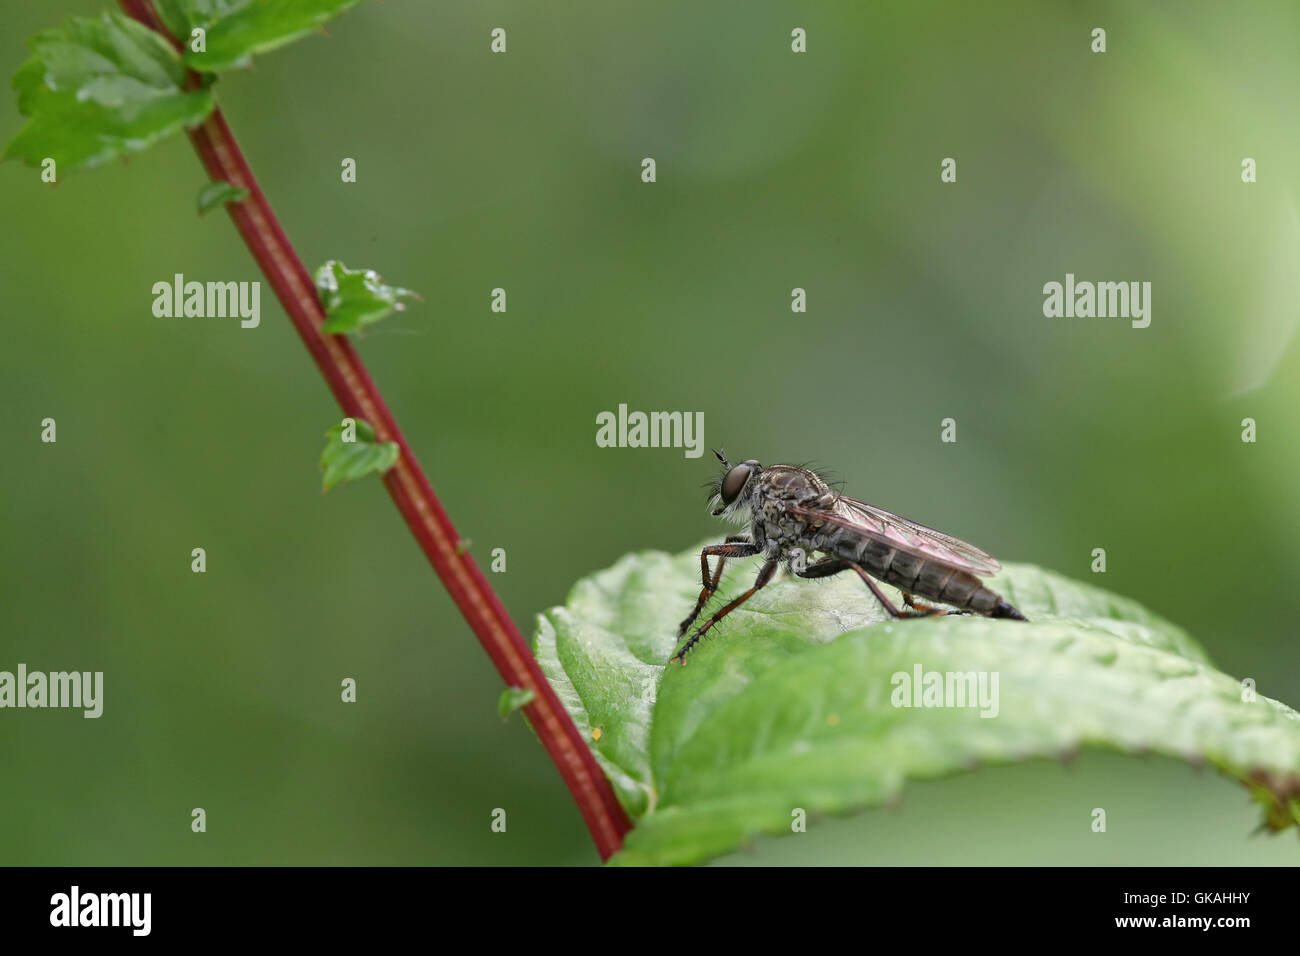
906, 535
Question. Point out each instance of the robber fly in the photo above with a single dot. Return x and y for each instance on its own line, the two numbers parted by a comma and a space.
792, 513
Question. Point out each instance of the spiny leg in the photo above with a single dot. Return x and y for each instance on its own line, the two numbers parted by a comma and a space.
710, 581
885, 602
880, 596
765, 574
828, 566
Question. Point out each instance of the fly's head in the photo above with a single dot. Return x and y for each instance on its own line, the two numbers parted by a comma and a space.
731, 491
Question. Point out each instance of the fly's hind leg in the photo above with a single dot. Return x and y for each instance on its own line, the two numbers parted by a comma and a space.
828, 566
736, 546
889, 605
925, 609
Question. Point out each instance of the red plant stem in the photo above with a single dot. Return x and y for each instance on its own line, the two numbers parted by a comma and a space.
406, 482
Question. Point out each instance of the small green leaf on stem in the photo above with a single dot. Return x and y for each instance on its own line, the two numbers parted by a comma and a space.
234, 30
216, 193
98, 88
352, 453
354, 298
512, 699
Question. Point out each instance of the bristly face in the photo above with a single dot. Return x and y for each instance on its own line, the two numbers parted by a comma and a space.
726, 491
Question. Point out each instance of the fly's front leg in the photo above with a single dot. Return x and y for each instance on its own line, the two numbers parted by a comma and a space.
765, 574
736, 546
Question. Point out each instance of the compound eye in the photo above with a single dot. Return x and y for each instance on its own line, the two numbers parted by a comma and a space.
732, 484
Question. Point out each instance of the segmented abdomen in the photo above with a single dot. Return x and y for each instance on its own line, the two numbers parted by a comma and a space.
916, 575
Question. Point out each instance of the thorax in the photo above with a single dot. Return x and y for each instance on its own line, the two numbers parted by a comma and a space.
776, 526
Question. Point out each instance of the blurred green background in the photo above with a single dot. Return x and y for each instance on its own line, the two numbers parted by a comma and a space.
522, 171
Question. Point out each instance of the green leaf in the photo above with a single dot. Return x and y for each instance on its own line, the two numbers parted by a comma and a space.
354, 298
98, 88
347, 460
512, 699
789, 703
234, 30
214, 194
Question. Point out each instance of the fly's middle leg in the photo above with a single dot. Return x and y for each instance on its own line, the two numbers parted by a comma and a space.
736, 546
